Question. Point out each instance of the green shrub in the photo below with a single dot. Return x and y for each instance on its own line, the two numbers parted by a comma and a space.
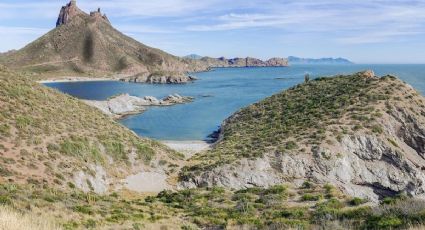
145, 152
384, 222
357, 201
311, 197
83, 209
23, 122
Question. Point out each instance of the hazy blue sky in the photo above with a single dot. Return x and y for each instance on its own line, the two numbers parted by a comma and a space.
365, 31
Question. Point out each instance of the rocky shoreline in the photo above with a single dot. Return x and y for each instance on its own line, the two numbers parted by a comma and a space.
160, 79
123, 105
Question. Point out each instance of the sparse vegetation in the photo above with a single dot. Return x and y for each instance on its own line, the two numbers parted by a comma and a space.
323, 110
43, 129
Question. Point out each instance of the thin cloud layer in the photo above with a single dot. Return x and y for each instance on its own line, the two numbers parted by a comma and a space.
343, 23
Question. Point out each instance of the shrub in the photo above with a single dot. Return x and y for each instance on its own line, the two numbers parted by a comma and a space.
357, 201
311, 197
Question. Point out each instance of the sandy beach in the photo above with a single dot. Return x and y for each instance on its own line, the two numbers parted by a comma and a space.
188, 148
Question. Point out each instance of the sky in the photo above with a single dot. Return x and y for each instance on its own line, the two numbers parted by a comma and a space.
364, 31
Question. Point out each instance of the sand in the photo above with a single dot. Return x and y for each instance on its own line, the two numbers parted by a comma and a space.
188, 148
147, 182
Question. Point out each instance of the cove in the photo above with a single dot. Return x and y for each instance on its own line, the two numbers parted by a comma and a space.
218, 94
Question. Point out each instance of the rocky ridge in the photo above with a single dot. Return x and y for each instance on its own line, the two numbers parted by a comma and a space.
243, 62
361, 133
124, 104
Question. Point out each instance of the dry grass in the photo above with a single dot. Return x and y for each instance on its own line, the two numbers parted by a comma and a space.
46, 136
13, 220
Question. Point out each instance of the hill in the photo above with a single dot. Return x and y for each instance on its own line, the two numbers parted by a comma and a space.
52, 139
193, 56
62, 164
361, 133
326, 61
87, 45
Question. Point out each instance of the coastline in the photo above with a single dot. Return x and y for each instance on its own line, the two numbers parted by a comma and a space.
76, 79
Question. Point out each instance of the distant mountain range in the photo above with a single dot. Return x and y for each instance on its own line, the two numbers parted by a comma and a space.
193, 56
298, 60
243, 62
290, 59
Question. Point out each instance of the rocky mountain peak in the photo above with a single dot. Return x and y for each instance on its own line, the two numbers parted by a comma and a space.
67, 12
98, 15
70, 10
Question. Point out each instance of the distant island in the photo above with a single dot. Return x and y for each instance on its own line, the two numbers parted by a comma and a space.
193, 57
297, 60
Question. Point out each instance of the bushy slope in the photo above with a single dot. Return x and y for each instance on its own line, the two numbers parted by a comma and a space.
365, 133
47, 137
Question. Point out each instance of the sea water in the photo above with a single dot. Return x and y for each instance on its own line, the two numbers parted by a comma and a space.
218, 94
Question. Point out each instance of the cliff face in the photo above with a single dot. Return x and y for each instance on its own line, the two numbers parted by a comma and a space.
86, 44
364, 134
68, 12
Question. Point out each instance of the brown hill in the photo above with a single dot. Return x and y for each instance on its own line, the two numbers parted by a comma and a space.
49, 138
362, 133
87, 44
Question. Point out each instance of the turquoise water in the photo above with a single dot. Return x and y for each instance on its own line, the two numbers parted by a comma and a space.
218, 94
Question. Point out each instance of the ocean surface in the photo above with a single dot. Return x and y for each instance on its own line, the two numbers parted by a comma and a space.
218, 94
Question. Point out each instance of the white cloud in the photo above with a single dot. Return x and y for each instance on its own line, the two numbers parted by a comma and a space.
351, 22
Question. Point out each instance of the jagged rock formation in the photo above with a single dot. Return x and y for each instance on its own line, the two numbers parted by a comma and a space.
67, 12
243, 62
362, 133
87, 45
124, 104
159, 78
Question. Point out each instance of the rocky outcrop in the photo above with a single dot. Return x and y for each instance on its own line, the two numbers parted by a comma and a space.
67, 12
386, 161
277, 62
159, 79
124, 104
70, 10
98, 15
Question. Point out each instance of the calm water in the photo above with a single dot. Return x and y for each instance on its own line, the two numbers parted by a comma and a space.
218, 94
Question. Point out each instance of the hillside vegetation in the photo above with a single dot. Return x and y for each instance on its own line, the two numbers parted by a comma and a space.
364, 133
62, 158
50, 138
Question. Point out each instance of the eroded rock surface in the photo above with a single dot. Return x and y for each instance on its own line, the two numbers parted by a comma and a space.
125, 104
385, 159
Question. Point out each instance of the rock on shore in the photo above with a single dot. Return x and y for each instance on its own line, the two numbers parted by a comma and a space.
124, 104
159, 79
